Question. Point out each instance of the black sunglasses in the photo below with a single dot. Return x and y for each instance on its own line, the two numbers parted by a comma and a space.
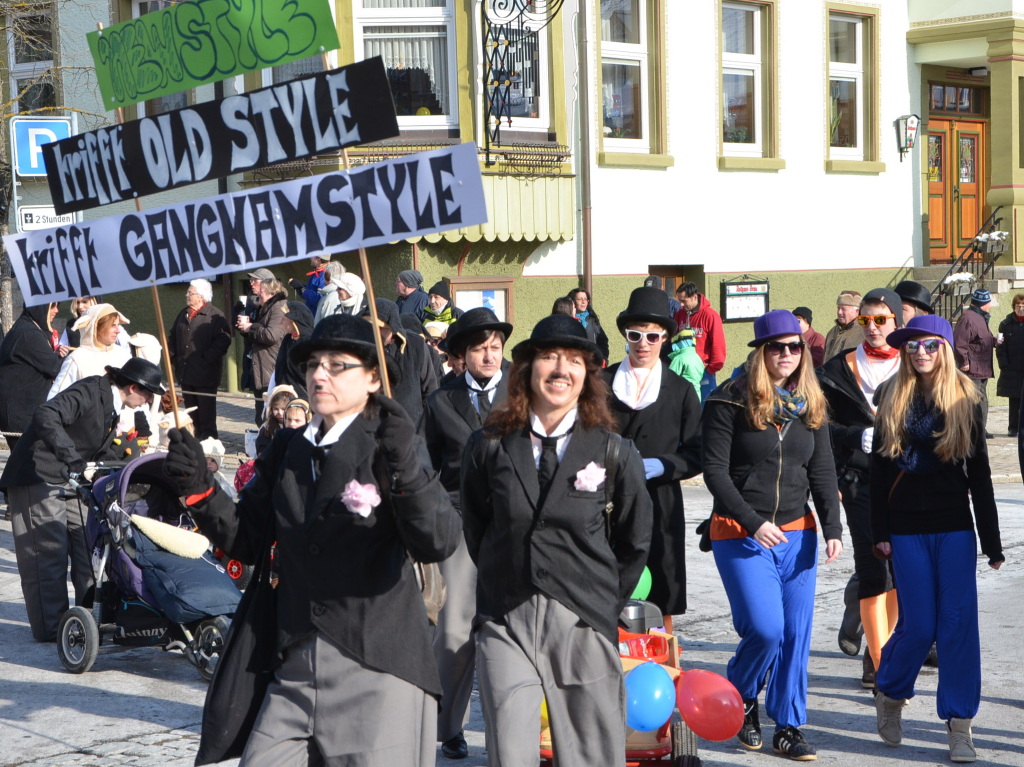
776, 347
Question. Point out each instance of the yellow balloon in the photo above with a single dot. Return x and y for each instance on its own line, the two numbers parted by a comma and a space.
423, 112
544, 713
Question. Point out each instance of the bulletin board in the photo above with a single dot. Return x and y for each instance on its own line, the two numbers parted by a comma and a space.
744, 300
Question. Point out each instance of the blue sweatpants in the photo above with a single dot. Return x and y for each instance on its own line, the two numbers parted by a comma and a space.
938, 601
771, 593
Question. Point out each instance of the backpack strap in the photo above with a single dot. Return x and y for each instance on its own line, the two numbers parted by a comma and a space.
611, 469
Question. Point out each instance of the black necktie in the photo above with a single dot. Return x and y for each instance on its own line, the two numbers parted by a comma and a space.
548, 461
483, 404
318, 454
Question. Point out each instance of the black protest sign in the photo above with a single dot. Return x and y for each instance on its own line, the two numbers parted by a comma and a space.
310, 115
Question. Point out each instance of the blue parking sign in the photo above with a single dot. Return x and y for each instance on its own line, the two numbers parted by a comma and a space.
28, 134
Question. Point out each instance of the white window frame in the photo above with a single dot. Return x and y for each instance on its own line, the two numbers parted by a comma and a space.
34, 70
848, 73
750, 65
541, 123
637, 54
414, 17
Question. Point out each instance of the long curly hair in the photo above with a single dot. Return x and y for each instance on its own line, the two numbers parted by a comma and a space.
593, 410
954, 396
762, 397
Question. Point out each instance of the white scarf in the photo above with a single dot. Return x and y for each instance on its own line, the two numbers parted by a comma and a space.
873, 373
637, 388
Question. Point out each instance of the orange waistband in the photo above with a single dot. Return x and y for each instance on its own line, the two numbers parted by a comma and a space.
724, 529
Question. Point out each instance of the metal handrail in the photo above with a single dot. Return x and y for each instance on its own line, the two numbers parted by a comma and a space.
971, 260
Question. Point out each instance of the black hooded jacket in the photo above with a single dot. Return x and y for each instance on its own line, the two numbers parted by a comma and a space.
28, 365
412, 357
286, 371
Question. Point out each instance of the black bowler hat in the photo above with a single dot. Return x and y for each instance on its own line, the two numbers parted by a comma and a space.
141, 372
472, 322
647, 305
342, 333
915, 293
556, 331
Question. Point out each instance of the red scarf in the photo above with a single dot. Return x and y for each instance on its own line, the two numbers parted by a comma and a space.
1018, 317
193, 312
54, 339
880, 354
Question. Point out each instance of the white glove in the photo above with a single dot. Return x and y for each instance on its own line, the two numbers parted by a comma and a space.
653, 467
866, 439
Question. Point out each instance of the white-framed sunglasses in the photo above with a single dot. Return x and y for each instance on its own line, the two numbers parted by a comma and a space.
652, 336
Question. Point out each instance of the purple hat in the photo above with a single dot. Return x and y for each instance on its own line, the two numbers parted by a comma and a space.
778, 322
924, 325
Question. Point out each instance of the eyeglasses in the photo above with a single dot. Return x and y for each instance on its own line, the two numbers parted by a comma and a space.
879, 319
333, 368
931, 345
634, 336
776, 347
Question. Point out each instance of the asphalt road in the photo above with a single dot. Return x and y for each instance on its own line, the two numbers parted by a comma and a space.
142, 707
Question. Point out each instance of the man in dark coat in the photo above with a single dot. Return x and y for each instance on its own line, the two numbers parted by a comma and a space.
451, 415
556, 565
412, 298
29, 362
1010, 354
199, 339
660, 412
410, 354
266, 331
973, 344
76, 426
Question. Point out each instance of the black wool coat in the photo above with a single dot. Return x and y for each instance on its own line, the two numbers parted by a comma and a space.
561, 548
668, 430
1011, 358
197, 348
341, 574
77, 424
449, 420
28, 365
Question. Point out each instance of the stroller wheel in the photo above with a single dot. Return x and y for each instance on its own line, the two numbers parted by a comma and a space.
78, 640
209, 644
240, 573
684, 746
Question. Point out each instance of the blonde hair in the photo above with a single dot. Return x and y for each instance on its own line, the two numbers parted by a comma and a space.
954, 396
762, 397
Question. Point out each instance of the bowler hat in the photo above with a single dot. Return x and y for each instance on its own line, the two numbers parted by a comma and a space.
923, 325
981, 297
141, 372
773, 324
472, 322
803, 311
647, 305
337, 333
888, 297
554, 331
915, 293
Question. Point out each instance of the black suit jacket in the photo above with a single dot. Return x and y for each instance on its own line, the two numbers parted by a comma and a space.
344, 575
197, 348
560, 549
449, 419
77, 424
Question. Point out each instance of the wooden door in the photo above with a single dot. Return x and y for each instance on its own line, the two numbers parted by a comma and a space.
956, 185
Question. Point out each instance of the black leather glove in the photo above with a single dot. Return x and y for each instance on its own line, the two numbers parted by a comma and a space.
297, 284
75, 468
185, 463
398, 446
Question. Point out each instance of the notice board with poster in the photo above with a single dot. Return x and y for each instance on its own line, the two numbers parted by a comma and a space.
744, 299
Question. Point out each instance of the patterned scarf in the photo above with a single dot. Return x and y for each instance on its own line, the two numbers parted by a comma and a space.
922, 424
788, 405
193, 312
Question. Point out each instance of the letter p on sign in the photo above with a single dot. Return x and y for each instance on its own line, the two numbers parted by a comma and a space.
28, 134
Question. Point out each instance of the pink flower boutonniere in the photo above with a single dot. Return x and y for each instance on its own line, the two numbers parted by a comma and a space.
590, 479
360, 499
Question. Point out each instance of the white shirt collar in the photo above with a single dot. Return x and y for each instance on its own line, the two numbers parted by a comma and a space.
568, 421
491, 384
118, 402
333, 434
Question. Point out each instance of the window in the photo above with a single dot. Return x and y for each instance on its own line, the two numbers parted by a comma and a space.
416, 39
847, 88
625, 79
171, 101
743, 80
293, 69
30, 46
517, 76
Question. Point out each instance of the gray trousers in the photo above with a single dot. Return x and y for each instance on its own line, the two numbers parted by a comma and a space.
47, 525
454, 645
543, 651
324, 709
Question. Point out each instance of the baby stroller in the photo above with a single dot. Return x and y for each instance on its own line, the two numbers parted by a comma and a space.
172, 594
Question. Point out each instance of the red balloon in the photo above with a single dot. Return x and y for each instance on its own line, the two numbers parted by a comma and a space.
710, 705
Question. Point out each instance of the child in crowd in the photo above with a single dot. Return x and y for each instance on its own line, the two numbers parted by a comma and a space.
297, 415
213, 449
277, 404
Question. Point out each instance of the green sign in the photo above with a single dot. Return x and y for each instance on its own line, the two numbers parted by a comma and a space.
204, 41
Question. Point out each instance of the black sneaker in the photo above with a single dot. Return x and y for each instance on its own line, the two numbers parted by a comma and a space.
789, 741
455, 747
750, 732
867, 677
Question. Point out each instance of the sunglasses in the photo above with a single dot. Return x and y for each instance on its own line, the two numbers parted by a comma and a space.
634, 336
931, 346
775, 347
879, 319
332, 368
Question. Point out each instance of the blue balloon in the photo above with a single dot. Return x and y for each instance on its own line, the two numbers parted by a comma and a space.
650, 697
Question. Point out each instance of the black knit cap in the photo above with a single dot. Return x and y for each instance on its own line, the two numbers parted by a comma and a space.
556, 331
440, 288
888, 297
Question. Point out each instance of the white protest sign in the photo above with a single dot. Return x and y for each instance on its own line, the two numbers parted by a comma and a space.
372, 205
